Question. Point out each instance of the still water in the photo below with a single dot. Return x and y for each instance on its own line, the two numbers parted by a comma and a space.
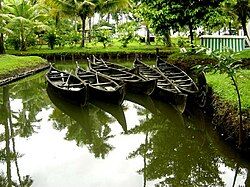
46, 142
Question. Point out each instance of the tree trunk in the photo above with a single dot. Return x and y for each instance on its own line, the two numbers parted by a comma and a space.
240, 112
147, 36
23, 42
7, 134
90, 29
190, 26
83, 19
2, 50
244, 27
167, 39
230, 28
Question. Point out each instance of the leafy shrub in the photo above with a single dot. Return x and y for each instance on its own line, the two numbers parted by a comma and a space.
50, 38
126, 32
103, 32
14, 42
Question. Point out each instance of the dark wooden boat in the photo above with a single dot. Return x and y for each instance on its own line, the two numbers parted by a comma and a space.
165, 89
111, 65
67, 86
100, 87
184, 82
134, 83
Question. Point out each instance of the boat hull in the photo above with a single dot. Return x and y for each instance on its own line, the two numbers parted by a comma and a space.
133, 83
115, 97
67, 86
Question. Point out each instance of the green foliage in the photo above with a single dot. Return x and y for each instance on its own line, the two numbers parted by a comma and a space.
50, 38
26, 18
227, 63
222, 86
14, 42
176, 15
73, 38
103, 36
102, 33
126, 32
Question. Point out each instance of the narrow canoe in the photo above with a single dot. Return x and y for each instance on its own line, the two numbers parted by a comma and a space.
184, 82
67, 86
100, 87
134, 83
165, 89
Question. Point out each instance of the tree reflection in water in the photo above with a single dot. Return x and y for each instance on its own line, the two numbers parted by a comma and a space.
172, 151
8, 153
177, 150
19, 122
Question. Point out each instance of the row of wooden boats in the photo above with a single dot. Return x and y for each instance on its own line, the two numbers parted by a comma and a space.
110, 82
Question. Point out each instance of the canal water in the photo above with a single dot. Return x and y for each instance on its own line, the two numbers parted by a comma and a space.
46, 142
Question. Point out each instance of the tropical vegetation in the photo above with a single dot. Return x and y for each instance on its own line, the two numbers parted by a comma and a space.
27, 23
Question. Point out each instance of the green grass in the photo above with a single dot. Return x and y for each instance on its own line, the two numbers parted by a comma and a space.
244, 54
10, 64
222, 85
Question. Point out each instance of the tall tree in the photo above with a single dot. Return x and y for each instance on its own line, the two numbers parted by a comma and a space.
26, 17
166, 14
87, 8
2, 50
242, 10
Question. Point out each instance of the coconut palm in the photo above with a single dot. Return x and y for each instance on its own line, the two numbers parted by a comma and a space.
87, 8
26, 17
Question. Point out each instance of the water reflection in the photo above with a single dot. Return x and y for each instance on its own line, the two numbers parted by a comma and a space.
8, 153
46, 142
89, 125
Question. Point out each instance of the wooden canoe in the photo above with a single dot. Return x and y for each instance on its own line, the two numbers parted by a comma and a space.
67, 86
184, 82
134, 83
165, 89
110, 65
101, 87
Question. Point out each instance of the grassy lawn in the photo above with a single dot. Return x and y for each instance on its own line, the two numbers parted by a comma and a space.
10, 64
223, 87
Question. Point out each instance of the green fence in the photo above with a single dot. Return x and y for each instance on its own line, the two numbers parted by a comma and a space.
236, 43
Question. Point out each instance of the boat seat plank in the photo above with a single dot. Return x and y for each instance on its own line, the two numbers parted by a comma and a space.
85, 76
119, 75
71, 85
153, 76
186, 85
102, 83
163, 84
182, 80
176, 77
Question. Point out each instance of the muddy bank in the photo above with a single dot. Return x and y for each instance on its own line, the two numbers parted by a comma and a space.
120, 55
21, 73
225, 120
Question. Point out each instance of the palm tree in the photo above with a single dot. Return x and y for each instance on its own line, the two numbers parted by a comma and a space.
87, 8
80, 8
2, 51
25, 19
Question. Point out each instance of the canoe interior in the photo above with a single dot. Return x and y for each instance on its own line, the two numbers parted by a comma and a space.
97, 81
177, 76
150, 73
